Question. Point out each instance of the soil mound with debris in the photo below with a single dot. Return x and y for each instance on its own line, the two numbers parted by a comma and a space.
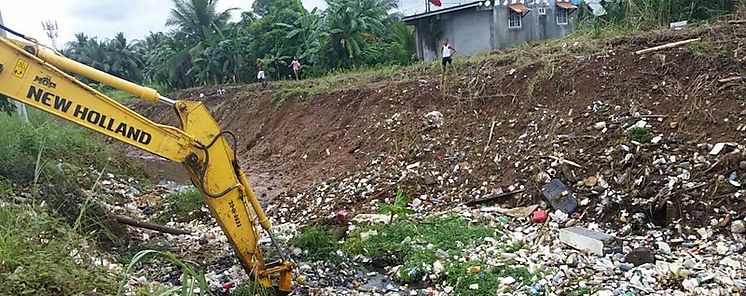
624, 131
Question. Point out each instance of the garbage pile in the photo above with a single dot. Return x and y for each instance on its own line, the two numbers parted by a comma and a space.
614, 159
627, 202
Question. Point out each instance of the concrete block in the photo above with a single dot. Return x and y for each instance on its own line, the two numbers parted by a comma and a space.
595, 242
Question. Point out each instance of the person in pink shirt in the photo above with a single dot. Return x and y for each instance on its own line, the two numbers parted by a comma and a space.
295, 64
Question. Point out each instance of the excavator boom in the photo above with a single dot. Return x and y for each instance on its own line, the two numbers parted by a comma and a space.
38, 77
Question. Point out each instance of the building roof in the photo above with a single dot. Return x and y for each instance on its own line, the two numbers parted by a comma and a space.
408, 19
512, 4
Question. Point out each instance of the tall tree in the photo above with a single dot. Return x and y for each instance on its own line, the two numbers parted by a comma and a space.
197, 21
122, 58
197, 17
351, 24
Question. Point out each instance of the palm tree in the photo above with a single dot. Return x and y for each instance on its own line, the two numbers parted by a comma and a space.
122, 58
351, 23
74, 48
197, 17
197, 21
307, 31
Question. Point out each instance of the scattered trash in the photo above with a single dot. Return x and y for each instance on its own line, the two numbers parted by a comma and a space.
678, 25
640, 256
737, 227
434, 119
539, 216
342, 216
560, 197
518, 212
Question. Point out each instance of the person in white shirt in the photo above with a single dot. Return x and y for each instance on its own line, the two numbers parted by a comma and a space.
447, 52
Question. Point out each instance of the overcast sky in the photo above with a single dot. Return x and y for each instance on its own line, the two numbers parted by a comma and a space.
104, 18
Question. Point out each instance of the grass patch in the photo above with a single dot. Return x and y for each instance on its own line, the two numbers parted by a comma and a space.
708, 50
192, 279
61, 142
460, 278
182, 206
547, 71
36, 248
581, 291
415, 245
640, 134
319, 242
250, 289
125, 256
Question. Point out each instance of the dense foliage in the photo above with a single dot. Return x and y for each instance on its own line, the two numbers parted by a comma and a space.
205, 47
649, 13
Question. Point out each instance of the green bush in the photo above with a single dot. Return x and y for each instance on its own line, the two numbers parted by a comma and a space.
182, 206
414, 244
319, 241
640, 134
459, 276
36, 247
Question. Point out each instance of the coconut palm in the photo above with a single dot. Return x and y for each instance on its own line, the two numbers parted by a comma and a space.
352, 23
197, 17
122, 58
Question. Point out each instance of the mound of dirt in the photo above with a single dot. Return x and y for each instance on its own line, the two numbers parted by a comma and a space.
510, 120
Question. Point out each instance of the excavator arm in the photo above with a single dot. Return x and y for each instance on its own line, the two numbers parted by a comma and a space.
38, 77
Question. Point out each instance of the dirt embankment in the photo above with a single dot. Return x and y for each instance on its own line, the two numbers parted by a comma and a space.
503, 115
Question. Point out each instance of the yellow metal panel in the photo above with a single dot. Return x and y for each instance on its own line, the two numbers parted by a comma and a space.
42, 86
230, 210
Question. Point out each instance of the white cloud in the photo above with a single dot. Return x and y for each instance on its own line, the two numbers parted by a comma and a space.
104, 18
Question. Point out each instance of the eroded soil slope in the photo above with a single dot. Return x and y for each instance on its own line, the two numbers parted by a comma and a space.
508, 121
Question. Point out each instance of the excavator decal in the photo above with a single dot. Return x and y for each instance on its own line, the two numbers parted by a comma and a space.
92, 116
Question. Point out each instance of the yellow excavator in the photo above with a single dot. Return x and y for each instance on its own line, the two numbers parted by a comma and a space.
41, 77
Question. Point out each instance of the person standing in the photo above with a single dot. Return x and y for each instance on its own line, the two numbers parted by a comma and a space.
447, 53
260, 76
295, 64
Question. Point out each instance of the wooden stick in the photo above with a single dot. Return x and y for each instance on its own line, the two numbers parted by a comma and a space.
737, 22
654, 116
489, 140
575, 164
729, 79
140, 224
486, 199
669, 45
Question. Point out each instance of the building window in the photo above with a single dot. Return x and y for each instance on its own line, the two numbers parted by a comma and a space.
542, 10
514, 20
562, 16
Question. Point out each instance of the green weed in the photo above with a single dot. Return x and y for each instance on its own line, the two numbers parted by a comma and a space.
640, 134
319, 241
460, 277
581, 291
708, 50
125, 256
191, 278
120, 96
414, 245
547, 71
250, 289
398, 208
36, 249
182, 206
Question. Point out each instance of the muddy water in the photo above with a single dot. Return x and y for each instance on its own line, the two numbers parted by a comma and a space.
266, 187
